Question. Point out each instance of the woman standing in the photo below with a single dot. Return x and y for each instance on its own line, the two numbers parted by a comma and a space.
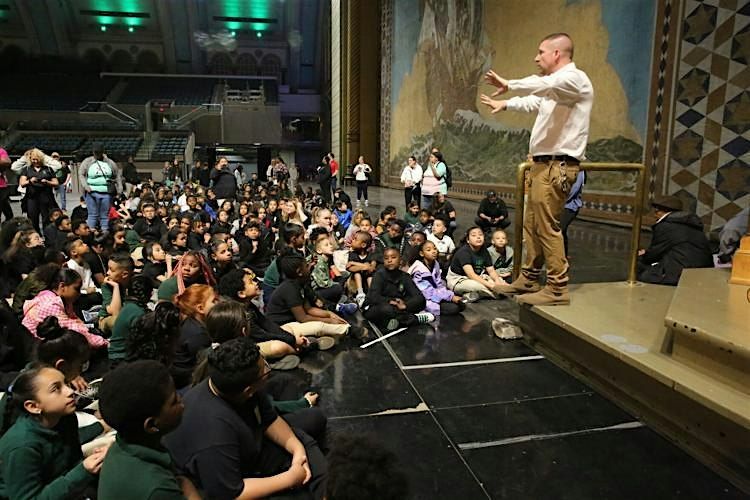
433, 180
411, 178
37, 175
362, 172
100, 179
5, 207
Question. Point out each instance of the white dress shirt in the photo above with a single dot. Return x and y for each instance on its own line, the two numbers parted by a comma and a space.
411, 176
563, 103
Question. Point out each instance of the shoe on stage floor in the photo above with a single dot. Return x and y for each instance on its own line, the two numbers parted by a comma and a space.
545, 297
519, 286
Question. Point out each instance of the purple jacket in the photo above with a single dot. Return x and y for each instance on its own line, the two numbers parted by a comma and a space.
431, 284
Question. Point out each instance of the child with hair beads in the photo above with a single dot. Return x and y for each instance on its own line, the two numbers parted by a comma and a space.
192, 269
426, 273
41, 452
502, 255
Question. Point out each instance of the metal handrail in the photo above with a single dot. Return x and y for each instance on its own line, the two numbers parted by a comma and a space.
635, 236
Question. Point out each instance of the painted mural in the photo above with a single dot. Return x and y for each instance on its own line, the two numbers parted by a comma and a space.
442, 48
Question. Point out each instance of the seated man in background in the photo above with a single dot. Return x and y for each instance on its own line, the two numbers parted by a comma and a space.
492, 213
677, 243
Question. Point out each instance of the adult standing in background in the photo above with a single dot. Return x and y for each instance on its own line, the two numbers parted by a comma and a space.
562, 97
573, 205
63, 179
362, 172
433, 179
324, 179
97, 176
201, 174
223, 181
334, 171
130, 175
293, 177
37, 175
411, 178
5, 208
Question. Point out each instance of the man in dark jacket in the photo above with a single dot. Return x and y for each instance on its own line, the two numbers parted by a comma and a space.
492, 213
223, 181
678, 242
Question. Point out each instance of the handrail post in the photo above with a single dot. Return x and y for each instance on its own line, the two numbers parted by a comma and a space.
635, 236
520, 207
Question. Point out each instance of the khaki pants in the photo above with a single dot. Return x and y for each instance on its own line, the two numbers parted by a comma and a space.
542, 237
462, 285
314, 329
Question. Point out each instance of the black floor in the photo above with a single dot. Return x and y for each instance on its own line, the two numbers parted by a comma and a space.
471, 416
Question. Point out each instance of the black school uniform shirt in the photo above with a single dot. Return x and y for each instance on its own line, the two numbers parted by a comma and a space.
387, 285
152, 270
290, 293
479, 260
193, 339
219, 444
366, 259
150, 230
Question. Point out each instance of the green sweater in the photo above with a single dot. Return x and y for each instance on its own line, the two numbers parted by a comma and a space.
42, 463
134, 471
129, 313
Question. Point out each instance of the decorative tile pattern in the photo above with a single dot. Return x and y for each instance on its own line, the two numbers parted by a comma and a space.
708, 165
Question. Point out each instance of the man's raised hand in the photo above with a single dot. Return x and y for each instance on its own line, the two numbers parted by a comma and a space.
496, 81
493, 104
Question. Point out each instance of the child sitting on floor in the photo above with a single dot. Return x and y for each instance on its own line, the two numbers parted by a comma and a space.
393, 299
426, 273
323, 270
502, 255
362, 264
412, 214
443, 242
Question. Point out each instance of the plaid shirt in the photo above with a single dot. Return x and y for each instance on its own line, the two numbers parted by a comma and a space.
48, 303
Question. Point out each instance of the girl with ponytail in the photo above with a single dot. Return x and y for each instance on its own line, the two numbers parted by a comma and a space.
135, 306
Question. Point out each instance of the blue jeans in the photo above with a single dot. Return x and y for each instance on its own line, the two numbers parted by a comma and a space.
61, 190
98, 206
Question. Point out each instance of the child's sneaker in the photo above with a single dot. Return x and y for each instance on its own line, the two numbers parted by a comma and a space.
425, 317
347, 308
360, 299
392, 324
470, 297
367, 203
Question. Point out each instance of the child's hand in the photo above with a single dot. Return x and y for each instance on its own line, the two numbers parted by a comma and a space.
312, 398
457, 299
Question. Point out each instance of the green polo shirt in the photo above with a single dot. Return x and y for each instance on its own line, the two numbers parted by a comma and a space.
38, 462
106, 300
134, 471
129, 313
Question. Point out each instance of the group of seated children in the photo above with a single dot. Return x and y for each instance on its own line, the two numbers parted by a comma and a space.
184, 307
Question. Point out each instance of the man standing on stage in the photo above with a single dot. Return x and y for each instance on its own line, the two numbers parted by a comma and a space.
562, 97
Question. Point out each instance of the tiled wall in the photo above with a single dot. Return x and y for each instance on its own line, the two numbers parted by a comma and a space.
709, 160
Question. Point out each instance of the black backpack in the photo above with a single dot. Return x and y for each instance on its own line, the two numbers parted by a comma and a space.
448, 177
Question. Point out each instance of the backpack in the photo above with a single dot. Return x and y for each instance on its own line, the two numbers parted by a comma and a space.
448, 177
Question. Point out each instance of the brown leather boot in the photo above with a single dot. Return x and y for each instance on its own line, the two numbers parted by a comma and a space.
520, 285
546, 297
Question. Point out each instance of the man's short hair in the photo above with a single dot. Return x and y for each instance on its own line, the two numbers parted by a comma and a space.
557, 36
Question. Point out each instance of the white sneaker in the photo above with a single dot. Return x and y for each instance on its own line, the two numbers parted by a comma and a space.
367, 203
425, 317
360, 299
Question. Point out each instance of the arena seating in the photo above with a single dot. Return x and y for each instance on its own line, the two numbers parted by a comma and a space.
184, 91
63, 144
76, 125
117, 147
52, 92
167, 147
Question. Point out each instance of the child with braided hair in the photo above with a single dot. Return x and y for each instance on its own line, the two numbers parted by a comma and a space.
191, 270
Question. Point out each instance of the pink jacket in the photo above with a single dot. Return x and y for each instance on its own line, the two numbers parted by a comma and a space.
48, 303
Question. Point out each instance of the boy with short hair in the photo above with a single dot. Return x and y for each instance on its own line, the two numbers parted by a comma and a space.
140, 402
393, 298
76, 250
119, 272
502, 255
255, 252
150, 227
344, 214
393, 237
362, 264
425, 221
386, 216
442, 241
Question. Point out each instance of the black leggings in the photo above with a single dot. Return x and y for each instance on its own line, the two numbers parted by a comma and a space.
415, 194
380, 314
39, 206
332, 293
566, 217
5, 207
361, 190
